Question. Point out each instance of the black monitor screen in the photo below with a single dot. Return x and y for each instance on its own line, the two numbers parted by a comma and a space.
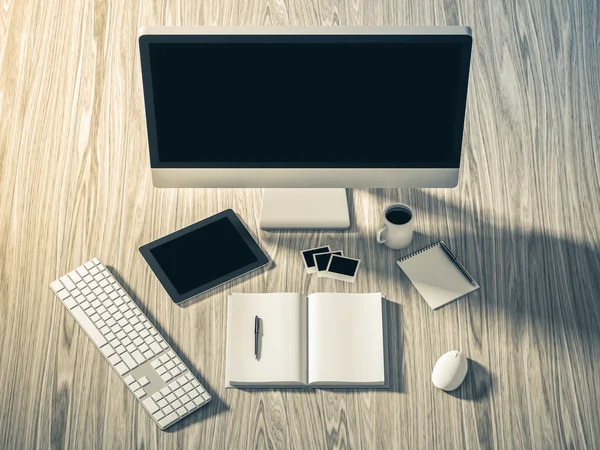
302, 104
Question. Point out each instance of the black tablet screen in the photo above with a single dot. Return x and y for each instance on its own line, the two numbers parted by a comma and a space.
203, 255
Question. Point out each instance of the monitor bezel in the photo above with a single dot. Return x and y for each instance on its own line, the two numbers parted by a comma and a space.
170, 35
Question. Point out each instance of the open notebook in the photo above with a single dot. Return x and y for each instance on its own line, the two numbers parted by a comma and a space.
323, 340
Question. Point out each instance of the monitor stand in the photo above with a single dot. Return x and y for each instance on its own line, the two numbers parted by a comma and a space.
301, 209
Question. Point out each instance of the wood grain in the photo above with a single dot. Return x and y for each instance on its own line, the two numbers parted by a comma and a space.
74, 184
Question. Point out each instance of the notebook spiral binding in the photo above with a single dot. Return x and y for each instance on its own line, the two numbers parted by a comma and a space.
419, 251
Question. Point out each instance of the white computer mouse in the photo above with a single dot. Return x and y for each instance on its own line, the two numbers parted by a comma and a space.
450, 370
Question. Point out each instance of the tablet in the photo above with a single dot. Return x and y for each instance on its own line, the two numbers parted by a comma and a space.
204, 255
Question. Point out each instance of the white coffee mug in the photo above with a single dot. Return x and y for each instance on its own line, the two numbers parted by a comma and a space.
397, 229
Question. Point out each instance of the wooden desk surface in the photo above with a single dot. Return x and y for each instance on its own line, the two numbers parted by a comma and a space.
75, 183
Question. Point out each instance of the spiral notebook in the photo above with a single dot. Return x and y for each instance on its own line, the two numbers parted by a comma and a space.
438, 276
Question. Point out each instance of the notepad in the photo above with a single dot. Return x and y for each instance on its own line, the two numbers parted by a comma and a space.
319, 340
436, 276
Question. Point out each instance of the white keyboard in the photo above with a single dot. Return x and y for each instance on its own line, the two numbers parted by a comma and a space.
133, 347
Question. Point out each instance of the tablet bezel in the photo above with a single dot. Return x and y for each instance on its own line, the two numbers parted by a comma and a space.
261, 257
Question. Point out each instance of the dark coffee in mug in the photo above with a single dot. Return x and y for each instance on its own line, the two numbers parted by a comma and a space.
398, 216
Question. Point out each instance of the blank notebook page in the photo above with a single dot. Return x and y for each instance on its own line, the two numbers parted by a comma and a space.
436, 276
345, 339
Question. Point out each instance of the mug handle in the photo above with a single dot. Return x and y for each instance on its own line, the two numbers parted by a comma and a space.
380, 238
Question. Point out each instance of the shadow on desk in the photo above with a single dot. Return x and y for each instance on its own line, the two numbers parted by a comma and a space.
478, 384
217, 404
531, 278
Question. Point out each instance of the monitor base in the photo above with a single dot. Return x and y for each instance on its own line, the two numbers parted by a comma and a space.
305, 209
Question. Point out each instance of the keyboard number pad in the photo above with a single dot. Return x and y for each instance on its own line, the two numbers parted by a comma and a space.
176, 400
168, 366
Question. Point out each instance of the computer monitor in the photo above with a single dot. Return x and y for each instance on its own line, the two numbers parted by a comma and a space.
305, 107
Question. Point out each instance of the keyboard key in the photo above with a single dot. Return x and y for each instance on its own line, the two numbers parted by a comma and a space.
165, 391
64, 294
135, 386
171, 355
155, 363
156, 396
190, 405
138, 357
121, 368
56, 286
129, 379
167, 409
165, 421
164, 359
181, 410
162, 402
140, 393
155, 347
114, 359
129, 360
67, 283
158, 415
88, 265
160, 370
176, 404
70, 302
205, 395
166, 376
171, 398
94, 317
179, 392
107, 350
184, 399
150, 405
174, 386
88, 326
149, 354
169, 365
164, 345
